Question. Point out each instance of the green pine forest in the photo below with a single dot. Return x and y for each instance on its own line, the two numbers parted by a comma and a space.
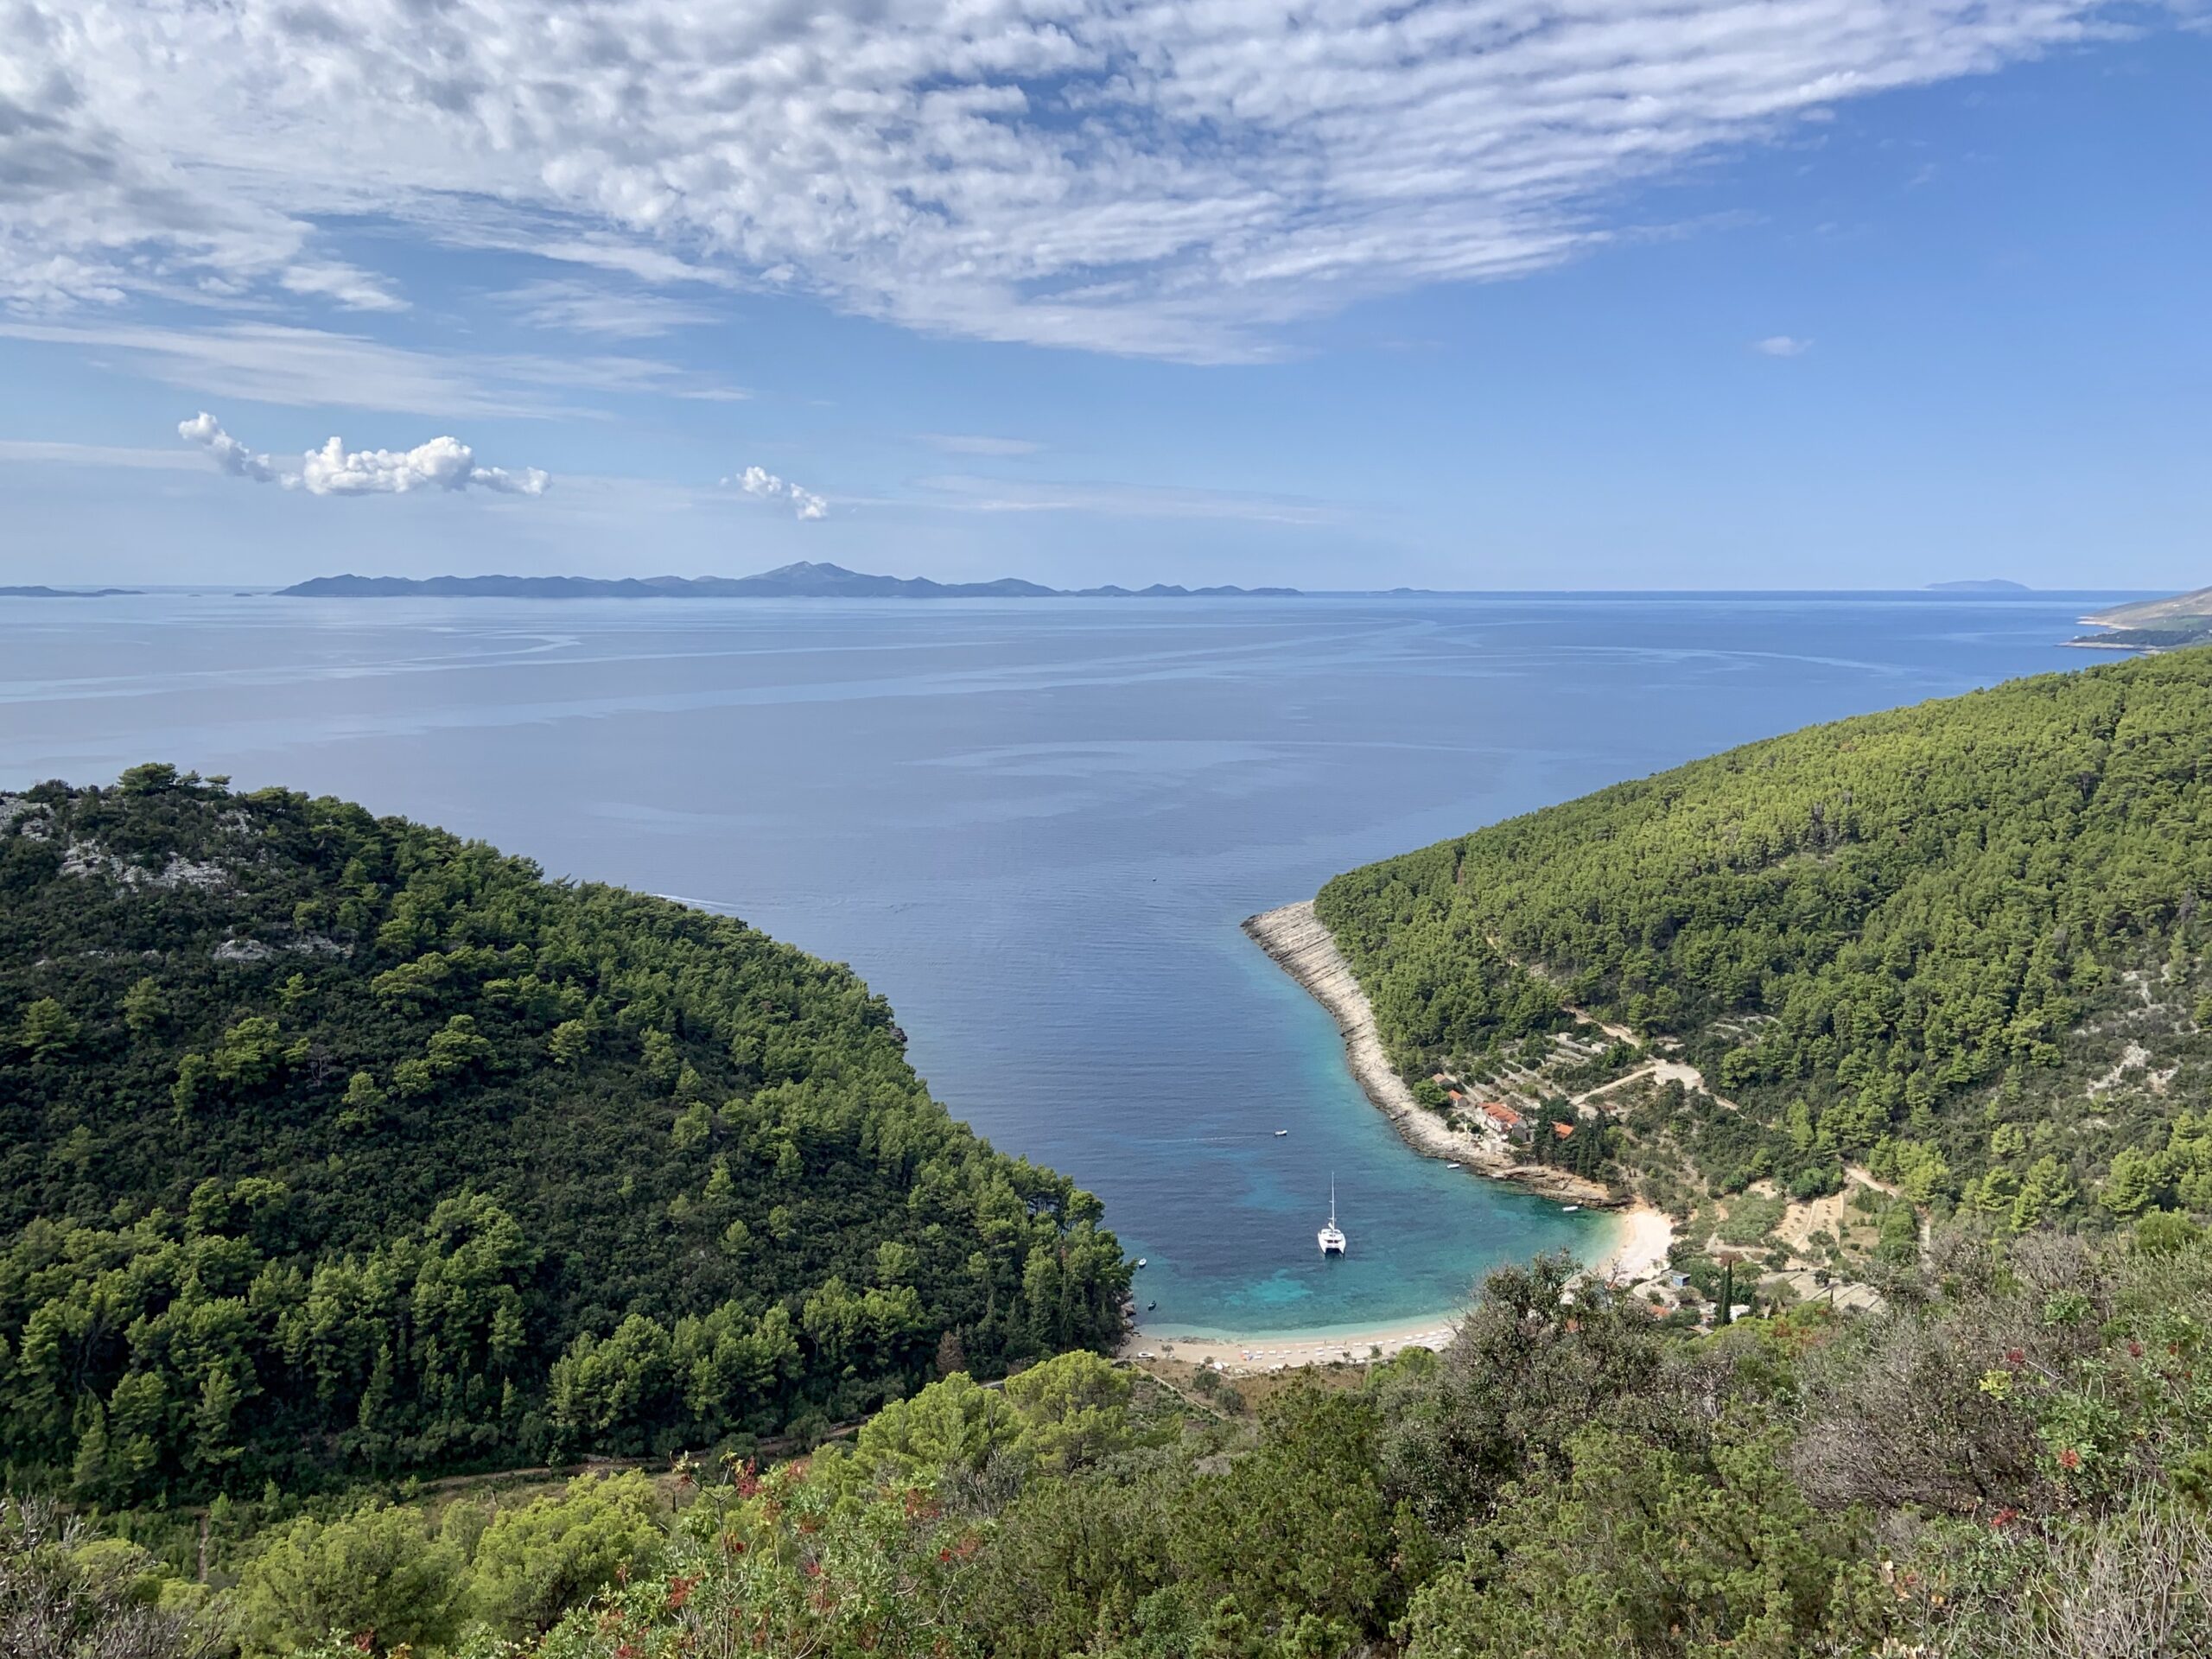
406, 1255
335, 1146
1960, 944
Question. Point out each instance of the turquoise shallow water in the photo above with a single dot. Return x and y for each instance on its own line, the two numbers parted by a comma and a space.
1034, 826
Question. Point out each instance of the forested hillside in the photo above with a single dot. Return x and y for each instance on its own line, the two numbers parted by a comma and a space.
1961, 942
334, 1146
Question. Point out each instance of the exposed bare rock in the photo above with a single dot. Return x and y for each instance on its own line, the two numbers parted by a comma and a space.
89, 858
32, 820
308, 944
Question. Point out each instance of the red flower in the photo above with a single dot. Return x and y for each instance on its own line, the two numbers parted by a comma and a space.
2003, 1518
2134, 1349
2069, 1459
2015, 1356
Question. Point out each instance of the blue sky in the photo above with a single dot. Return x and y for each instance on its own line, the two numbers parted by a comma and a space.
1831, 293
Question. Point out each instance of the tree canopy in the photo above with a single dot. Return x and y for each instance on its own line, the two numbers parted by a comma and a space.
334, 1145
1879, 925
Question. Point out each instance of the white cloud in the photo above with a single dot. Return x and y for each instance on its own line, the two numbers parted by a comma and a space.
342, 284
312, 368
443, 463
584, 308
957, 443
1782, 346
227, 452
1170, 177
758, 481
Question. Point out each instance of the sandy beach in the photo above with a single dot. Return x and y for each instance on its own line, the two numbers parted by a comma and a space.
1638, 1252
1252, 1356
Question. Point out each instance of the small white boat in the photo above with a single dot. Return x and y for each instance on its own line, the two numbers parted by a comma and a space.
1332, 1236
1569, 1208
1281, 1133
1451, 1166
1140, 1260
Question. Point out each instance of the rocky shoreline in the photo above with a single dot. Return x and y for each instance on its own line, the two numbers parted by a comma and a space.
1298, 942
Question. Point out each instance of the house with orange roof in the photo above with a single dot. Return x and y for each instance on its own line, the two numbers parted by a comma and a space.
1509, 1122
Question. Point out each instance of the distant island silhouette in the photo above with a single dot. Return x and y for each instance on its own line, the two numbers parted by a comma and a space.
804, 579
1982, 585
66, 593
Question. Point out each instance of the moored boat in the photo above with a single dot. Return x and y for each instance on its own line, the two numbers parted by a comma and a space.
1332, 1236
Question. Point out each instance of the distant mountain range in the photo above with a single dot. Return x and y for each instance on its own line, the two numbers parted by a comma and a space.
801, 580
2153, 624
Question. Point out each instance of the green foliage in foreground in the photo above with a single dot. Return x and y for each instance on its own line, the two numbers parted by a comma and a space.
334, 1146
2014, 1460
1892, 926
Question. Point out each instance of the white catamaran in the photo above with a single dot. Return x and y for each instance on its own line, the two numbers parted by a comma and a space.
1332, 1236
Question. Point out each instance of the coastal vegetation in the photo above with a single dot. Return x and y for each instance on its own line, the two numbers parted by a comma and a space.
334, 1147
1958, 947
2011, 1458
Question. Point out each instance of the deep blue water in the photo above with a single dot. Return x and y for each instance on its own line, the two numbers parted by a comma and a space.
1035, 825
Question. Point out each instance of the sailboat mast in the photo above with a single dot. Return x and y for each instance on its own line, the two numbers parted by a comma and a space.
1332, 1238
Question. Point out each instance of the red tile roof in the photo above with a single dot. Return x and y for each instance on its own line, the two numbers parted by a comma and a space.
1499, 1113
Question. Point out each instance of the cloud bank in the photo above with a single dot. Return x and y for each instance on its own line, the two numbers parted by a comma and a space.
758, 481
443, 463
1782, 346
1146, 176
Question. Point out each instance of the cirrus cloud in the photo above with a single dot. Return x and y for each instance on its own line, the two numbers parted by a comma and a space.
1145, 176
443, 463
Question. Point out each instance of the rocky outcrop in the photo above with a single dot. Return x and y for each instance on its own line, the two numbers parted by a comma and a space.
89, 858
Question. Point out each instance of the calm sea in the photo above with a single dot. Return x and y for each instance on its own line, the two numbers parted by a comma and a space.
1035, 825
